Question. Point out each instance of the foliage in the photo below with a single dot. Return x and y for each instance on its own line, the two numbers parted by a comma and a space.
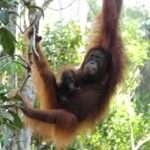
61, 52
9, 102
128, 121
125, 126
8, 114
7, 40
61, 43
115, 132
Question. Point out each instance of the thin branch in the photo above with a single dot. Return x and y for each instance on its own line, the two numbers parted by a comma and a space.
3, 66
24, 82
1, 58
17, 62
142, 142
23, 60
27, 67
34, 24
17, 25
33, 43
59, 9
132, 136
39, 13
9, 105
91, 7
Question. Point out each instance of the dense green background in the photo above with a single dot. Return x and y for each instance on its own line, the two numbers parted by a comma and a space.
127, 125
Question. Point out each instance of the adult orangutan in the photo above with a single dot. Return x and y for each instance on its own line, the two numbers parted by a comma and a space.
97, 78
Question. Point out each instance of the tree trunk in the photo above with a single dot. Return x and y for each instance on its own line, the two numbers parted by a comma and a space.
20, 139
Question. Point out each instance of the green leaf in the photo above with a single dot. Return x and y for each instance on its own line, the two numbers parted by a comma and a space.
8, 3
9, 123
2, 94
5, 140
4, 4
7, 116
4, 99
4, 17
7, 40
13, 13
18, 98
12, 2
17, 121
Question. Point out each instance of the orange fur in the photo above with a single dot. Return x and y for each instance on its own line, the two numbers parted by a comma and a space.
49, 132
44, 93
105, 35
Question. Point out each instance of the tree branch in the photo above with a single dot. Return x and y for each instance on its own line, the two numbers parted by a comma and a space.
25, 80
90, 5
142, 142
17, 25
17, 62
27, 64
27, 67
34, 24
59, 9
39, 13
